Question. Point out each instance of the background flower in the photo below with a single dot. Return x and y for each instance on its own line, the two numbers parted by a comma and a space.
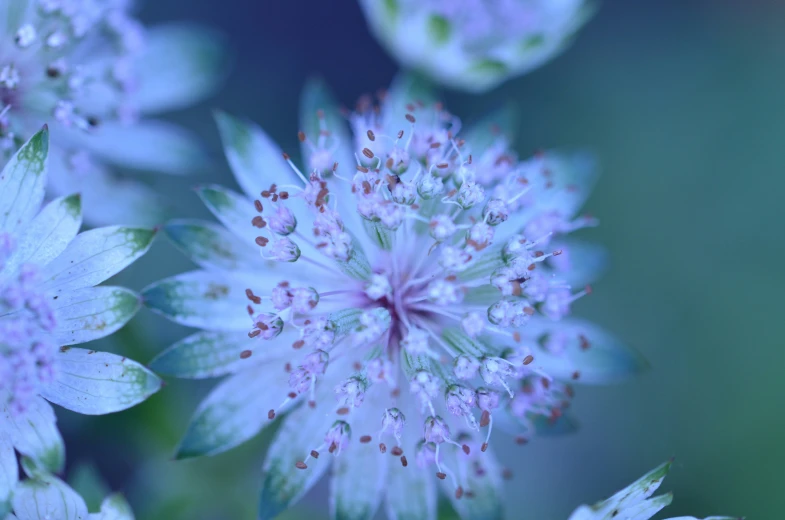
48, 302
100, 77
475, 45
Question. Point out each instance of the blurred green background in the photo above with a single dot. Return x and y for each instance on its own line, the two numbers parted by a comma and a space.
684, 103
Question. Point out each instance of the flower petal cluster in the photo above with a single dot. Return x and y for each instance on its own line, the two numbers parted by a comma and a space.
93, 72
475, 45
49, 301
395, 300
635, 502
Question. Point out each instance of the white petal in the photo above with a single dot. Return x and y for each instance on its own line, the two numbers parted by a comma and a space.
360, 472
93, 312
34, 434
208, 300
48, 234
585, 261
213, 247
96, 383
94, 256
22, 182
235, 211
235, 410
48, 498
114, 507
9, 474
486, 486
151, 145
180, 65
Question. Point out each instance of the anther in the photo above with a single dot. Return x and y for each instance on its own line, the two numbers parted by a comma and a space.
459, 492
342, 411
371, 135
261, 241
397, 451
382, 447
485, 418
314, 454
291, 395
312, 404
254, 333
441, 476
507, 474
368, 153
484, 447
365, 439
258, 222
528, 359
285, 156
520, 440
300, 465
466, 449
245, 354
404, 462
271, 414
410, 118
301, 136
251, 296
258, 205
298, 344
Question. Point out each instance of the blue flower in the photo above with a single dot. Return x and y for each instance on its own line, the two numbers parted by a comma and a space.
98, 76
397, 298
48, 302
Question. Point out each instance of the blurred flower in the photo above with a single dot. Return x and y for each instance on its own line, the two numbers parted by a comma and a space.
48, 301
96, 74
406, 301
43, 496
475, 45
634, 502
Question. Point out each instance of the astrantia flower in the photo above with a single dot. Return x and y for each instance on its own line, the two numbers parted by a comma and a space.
635, 503
48, 302
95, 73
400, 296
42, 496
475, 45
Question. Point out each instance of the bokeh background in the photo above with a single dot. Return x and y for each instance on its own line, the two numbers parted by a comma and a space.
683, 101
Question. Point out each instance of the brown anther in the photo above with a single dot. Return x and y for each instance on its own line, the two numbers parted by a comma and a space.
442, 166
265, 194
301, 136
368, 153
357, 365
275, 197
261, 241
528, 359
507, 474
271, 414
396, 451
291, 395
312, 404
53, 72
485, 418
441, 476
382, 447
251, 296
371, 135
538, 254
435, 145
254, 333
459, 492
469, 494
557, 252
288, 368
470, 158
258, 222
410, 107
245, 354
258, 205
365, 439
314, 454
410, 118
395, 392
531, 267
362, 169
484, 447
249, 310
389, 163
300, 465
342, 411
400, 134
528, 310
584, 342
516, 336
284, 195
285, 156
298, 344
466, 449
520, 440
546, 384
262, 326
576, 375
404, 462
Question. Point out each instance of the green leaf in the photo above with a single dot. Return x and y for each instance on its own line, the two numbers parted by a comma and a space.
23, 181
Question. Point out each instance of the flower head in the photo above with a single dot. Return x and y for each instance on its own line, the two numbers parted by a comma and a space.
385, 334
48, 302
96, 74
475, 45
635, 502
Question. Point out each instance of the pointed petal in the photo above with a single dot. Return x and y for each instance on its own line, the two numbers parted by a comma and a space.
235, 211
48, 234
235, 410
544, 426
150, 145
491, 128
91, 313
213, 354
96, 383
9, 474
597, 356
411, 493
181, 65
485, 485
208, 300
581, 263
255, 159
114, 507
48, 497
34, 434
360, 472
94, 256
22, 182
211, 246
284, 484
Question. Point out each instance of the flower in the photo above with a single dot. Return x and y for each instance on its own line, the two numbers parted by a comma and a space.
95, 73
48, 302
398, 315
42, 496
475, 45
634, 502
